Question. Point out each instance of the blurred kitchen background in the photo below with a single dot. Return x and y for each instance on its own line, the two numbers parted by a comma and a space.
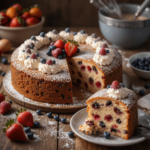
71, 13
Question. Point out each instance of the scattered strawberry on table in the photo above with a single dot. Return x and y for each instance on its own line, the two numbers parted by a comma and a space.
2, 97
17, 16
5, 106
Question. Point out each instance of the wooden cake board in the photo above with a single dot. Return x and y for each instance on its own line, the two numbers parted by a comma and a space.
79, 98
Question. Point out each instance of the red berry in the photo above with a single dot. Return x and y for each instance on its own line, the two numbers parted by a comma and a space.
56, 52
26, 15
3, 18
82, 67
2, 97
52, 43
104, 45
115, 85
98, 84
108, 118
49, 62
117, 111
89, 68
33, 56
59, 44
102, 51
4, 107
18, 7
28, 51
31, 21
96, 117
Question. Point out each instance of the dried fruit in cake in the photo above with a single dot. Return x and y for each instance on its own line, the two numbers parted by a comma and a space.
2, 97
59, 44
3, 18
5, 106
14, 131
25, 117
71, 48
17, 22
35, 11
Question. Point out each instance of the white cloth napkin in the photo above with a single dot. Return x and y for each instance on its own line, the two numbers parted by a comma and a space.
144, 102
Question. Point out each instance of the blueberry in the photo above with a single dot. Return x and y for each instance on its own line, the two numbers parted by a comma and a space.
39, 112
71, 134
101, 123
106, 135
107, 51
49, 115
63, 120
48, 52
27, 57
141, 92
147, 86
82, 32
3, 73
43, 60
109, 103
54, 62
63, 51
30, 135
27, 129
10, 102
146, 63
94, 35
54, 31
4, 61
67, 30
146, 68
33, 38
42, 34
143, 59
122, 84
60, 57
53, 47
36, 124
23, 51
133, 65
75, 33
37, 54
108, 86
31, 45
141, 67
56, 117
64, 55
78, 50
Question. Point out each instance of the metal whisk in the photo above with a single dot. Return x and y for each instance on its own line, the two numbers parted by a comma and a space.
110, 5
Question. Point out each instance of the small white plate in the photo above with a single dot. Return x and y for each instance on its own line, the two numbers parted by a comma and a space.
79, 118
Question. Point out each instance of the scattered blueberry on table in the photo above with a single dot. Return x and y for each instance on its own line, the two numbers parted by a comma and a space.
30, 135
56, 117
10, 102
147, 86
27, 129
141, 92
4, 61
71, 134
49, 115
3, 73
36, 124
39, 112
63, 120
106, 135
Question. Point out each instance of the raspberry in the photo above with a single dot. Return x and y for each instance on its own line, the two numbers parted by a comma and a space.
96, 117
49, 62
117, 111
115, 85
33, 56
89, 68
108, 118
95, 105
98, 84
104, 45
102, 51
82, 67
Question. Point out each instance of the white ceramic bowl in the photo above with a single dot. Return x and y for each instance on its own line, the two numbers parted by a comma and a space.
19, 34
141, 73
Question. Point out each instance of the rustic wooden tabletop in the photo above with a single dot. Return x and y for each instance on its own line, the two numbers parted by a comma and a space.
53, 135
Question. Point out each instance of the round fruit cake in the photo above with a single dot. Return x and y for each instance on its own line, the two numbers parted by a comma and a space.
44, 67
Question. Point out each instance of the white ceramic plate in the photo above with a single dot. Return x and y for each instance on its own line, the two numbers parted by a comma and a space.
79, 118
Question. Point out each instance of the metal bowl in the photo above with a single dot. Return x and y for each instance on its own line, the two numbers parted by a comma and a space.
138, 72
125, 34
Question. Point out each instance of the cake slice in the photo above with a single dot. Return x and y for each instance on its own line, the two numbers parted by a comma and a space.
112, 110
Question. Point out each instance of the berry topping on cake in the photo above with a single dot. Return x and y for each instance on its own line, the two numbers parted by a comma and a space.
117, 111
67, 30
90, 123
98, 39
94, 35
104, 45
75, 33
96, 117
95, 105
109, 103
33, 56
54, 31
3, 73
82, 32
43, 60
42, 34
102, 124
59, 44
32, 45
56, 52
27, 46
33, 38
71, 48
23, 51
107, 51
108, 118
54, 62
122, 84
37, 54
49, 62
108, 86
102, 51
28, 51
27, 57
115, 85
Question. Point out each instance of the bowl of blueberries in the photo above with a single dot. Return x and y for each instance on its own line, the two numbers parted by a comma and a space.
140, 64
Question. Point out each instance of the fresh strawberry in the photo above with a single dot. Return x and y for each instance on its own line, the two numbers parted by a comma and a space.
59, 44
25, 15
102, 51
24, 117
3, 18
71, 48
18, 7
2, 97
56, 52
31, 21
115, 85
17, 22
5, 106
14, 131
0, 55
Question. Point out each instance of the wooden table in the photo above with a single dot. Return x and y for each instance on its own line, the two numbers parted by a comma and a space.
52, 135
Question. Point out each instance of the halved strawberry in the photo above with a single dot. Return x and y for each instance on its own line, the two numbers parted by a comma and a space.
2, 97
14, 131
5, 106
24, 117
59, 44
115, 85
71, 48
